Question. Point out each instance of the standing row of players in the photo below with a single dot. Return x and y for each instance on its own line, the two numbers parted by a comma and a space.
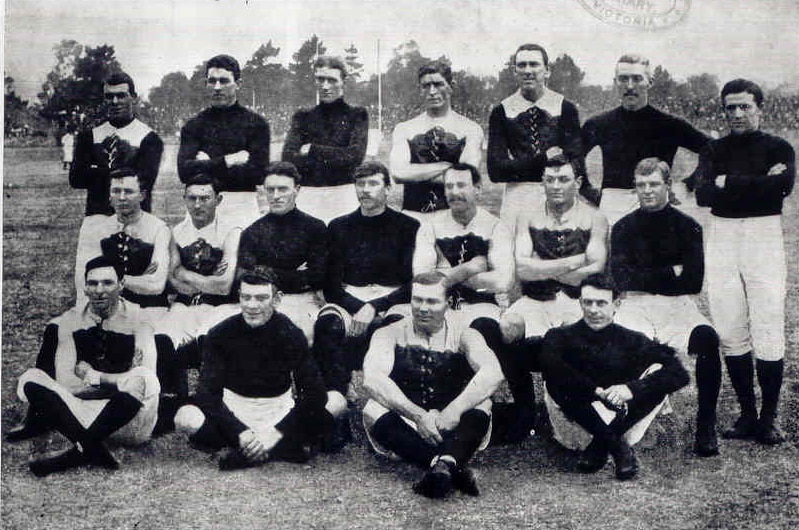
419, 370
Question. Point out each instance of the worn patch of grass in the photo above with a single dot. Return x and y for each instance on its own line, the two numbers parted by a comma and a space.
165, 484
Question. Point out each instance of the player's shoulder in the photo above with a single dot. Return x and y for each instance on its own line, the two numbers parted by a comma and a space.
603, 118
154, 221
313, 224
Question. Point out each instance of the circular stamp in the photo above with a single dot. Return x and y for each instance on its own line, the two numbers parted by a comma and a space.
647, 15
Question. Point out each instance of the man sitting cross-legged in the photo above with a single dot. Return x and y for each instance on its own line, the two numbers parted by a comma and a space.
244, 400
608, 379
430, 378
369, 271
95, 377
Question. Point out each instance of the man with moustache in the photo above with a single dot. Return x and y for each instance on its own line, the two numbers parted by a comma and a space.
120, 142
744, 178
226, 141
369, 271
95, 377
424, 147
631, 132
525, 130
327, 143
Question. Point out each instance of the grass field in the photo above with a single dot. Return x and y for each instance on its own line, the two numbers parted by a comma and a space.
165, 484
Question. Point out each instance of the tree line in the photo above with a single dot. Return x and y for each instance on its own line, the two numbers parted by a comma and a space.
71, 96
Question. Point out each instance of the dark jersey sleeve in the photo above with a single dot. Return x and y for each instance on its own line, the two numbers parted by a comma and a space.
559, 373
350, 155
671, 377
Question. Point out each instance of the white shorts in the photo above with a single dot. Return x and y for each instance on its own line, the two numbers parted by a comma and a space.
328, 202
140, 382
541, 316
572, 436
241, 208
260, 414
302, 308
373, 411
519, 198
666, 319
186, 322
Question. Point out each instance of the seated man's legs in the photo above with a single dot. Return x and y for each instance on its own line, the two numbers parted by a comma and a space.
302, 309
129, 414
446, 464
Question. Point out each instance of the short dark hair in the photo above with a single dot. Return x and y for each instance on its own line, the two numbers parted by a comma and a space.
561, 160
462, 166
121, 78
284, 169
203, 179
127, 172
331, 61
601, 281
372, 167
225, 62
736, 86
530, 47
260, 275
101, 262
436, 67
647, 166
429, 278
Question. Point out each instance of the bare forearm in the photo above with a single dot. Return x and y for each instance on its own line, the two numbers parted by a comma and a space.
532, 269
387, 393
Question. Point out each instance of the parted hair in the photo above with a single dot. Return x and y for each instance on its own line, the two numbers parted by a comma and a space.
121, 78
225, 62
436, 67
284, 169
331, 61
736, 86
203, 179
101, 262
603, 281
531, 47
462, 166
259, 275
634, 58
372, 167
647, 166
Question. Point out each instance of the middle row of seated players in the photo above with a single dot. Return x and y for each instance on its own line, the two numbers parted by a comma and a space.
364, 261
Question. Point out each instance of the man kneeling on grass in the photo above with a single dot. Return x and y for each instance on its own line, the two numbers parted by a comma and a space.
608, 379
95, 377
244, 400
430, 378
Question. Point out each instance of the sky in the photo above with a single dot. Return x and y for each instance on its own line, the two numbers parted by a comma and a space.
727, 38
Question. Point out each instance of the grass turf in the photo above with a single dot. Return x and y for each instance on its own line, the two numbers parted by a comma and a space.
165, 484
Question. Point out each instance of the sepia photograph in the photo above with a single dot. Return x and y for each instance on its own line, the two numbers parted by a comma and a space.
401, 264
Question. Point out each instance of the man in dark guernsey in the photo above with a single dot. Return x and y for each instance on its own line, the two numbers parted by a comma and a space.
558, 245
430, 378
369, 271
290, 242
227, 141
424, 147
744, 178
244, 400
95, 377
327, 143
631, 132
525, 129
607, 379
657, 260
137, 242
120, 142
470, 247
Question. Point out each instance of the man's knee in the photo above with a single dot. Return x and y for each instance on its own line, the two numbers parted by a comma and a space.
32, 375
512, 327
140, 383
372, 412
336, 403
189, 419
703, 339
329, 324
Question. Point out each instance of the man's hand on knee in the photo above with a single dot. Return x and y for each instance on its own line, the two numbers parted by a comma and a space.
426, 424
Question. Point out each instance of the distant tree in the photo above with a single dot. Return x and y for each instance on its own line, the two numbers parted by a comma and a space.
173, 101
72, 95
703, 86
301, 67
354, 66
663, 88
401, 83
566, 77
506, 80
